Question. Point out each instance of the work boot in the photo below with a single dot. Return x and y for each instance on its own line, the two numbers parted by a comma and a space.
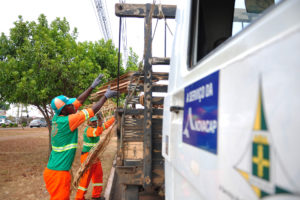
98, 198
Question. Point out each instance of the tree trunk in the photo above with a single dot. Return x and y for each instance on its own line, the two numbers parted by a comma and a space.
45, 113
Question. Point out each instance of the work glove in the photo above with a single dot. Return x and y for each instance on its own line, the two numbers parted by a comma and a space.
97, 81
110, 93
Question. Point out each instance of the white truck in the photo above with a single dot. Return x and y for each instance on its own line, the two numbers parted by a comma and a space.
231, 115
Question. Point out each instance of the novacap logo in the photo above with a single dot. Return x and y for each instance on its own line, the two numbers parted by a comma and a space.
261, 172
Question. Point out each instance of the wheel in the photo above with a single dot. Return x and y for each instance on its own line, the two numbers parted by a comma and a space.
30, 126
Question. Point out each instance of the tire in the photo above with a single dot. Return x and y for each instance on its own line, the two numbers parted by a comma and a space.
30, 126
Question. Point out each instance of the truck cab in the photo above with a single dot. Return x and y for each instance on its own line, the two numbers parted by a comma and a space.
230, 119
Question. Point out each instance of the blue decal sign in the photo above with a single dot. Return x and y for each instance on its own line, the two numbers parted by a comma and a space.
200, 119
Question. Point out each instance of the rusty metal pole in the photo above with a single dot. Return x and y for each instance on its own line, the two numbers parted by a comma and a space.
119, 55
147, 168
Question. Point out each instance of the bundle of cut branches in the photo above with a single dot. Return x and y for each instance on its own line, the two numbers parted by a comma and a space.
93, 154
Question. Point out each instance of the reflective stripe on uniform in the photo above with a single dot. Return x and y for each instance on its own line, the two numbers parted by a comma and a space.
82, 188
65, 148
89, 144
97, 184
104, 127
86, 113
94, 132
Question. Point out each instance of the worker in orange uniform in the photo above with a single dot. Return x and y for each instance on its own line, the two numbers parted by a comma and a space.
64, 137
91, 137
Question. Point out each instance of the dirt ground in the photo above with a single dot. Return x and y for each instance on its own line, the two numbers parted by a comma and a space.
24, 156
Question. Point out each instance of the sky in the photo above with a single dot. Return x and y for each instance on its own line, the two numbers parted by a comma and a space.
82, 14
79, 13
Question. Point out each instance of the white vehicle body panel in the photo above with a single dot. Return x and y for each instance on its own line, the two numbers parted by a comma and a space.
262, 60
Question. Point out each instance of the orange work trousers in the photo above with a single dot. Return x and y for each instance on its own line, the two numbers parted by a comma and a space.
58, 184
96, 174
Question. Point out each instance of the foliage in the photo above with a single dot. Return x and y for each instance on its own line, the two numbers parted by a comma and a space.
131, 65
36, 66
132, 61
11, 118
4, 106
122, 98
39, 61
24, 124
3, 125
102, 53
25, 120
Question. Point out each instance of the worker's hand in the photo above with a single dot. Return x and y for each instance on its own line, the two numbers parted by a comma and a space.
97, 81
110, 93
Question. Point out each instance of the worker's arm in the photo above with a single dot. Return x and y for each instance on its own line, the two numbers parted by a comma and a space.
95, 132
78, 118
108, 123
88, 91
108, 94
96, 107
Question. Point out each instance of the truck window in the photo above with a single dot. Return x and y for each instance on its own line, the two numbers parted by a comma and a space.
213, 21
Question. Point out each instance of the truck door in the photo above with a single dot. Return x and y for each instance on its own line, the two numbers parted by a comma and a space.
229, 125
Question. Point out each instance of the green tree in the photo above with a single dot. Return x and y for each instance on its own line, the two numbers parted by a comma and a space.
39, 61
4, 105
132, 62
101, 53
